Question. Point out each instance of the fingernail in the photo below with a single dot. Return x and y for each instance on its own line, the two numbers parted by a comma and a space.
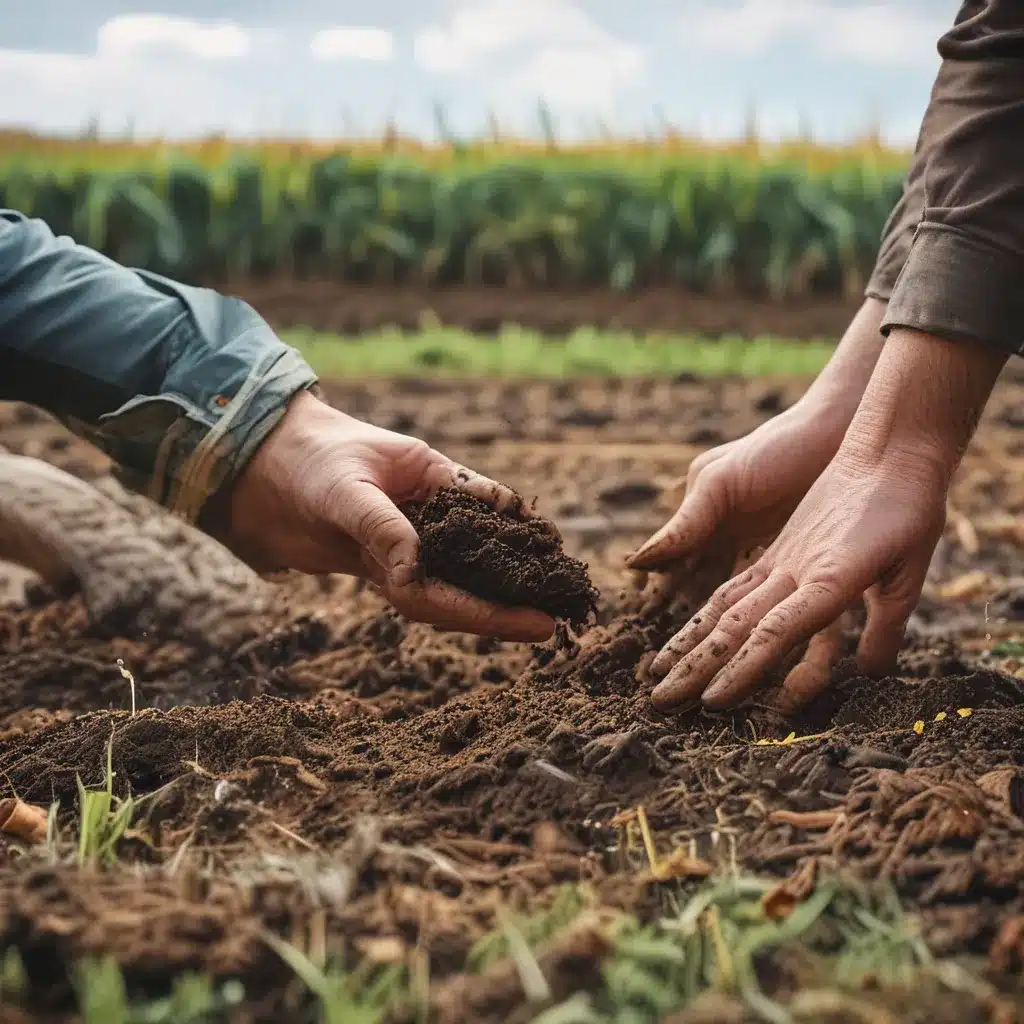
641, 553
662, 699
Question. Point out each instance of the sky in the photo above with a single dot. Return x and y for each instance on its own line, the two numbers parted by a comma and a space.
330, 68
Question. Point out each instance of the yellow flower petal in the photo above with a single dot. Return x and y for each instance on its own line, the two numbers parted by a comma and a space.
919, 727
941, 716
965, 712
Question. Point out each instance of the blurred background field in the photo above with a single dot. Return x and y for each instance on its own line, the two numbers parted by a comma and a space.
773, 222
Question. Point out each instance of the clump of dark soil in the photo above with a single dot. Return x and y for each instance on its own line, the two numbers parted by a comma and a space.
506, 557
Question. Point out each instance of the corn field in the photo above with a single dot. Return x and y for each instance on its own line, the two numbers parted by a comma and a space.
729, 221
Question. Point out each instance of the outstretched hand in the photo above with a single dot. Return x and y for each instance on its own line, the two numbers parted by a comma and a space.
862, 530
741, 494
321, 495
867, 528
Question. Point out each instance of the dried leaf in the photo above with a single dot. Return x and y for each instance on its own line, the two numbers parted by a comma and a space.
967, 587
679, 864
1006, 786
25, 821
966, 534
779, 903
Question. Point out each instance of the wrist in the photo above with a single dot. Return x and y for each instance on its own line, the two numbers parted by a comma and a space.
922, 404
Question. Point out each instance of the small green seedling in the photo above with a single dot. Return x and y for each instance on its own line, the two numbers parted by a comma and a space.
104, 818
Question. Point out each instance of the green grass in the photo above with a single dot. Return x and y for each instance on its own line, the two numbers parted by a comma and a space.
520, 353
839, 950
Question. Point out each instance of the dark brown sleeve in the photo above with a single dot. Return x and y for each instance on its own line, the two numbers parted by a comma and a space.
964, 274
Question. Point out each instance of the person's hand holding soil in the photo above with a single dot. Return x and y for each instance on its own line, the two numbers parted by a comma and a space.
321, 495
740, 495
868, 526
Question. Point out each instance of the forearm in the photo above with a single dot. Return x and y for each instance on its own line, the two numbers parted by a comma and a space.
178, 384
836, 391
922, 405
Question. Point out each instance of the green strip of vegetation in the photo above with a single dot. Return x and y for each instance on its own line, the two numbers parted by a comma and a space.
586, 353
719, 222
840, 953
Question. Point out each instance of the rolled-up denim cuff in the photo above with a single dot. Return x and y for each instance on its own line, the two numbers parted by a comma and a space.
181, 453
960, 287
219, 454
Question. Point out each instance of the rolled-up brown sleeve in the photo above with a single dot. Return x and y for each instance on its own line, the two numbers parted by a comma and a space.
963, 277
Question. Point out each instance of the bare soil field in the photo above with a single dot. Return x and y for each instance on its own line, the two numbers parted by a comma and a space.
366, 788
346, 308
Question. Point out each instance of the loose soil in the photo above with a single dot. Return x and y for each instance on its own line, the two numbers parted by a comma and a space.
355, 782
509, 557
345, 308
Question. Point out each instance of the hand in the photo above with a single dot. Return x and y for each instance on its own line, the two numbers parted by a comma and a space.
867, 526
320, 496
738, 498
862, 529
739, 495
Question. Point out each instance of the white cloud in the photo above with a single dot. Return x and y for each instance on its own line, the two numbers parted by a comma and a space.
565, 57
61, 92
875, 33
131, 34
577, 80
353, 43
478, 30
179, 94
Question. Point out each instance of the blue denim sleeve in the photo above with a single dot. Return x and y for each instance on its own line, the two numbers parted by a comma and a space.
179, 385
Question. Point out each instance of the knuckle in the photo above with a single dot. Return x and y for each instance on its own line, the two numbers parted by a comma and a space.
732, 628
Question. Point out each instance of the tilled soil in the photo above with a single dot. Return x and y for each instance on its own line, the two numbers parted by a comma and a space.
351, 781
347, 308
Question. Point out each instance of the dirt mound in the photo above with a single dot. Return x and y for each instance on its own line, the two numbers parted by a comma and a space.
506, 557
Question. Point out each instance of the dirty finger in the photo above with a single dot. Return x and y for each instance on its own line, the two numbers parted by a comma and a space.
452, 609
687, 680
702, 624
812, 675
788, 625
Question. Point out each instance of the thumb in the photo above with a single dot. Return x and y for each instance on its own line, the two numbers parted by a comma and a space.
374, 522
693, 525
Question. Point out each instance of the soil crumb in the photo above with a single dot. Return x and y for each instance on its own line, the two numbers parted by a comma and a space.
506, 557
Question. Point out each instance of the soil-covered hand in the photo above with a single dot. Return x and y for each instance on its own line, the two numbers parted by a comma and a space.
868, 526
321, 495
740, 495
862, 529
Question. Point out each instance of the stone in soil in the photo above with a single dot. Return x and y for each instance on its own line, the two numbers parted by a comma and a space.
507, 557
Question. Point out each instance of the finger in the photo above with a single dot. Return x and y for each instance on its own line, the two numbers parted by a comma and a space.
701, 625
312, 555
688, 680
372, 520
454, 610
809, 679
889, 608
792, 623
688, 583
500, 497
693, 525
